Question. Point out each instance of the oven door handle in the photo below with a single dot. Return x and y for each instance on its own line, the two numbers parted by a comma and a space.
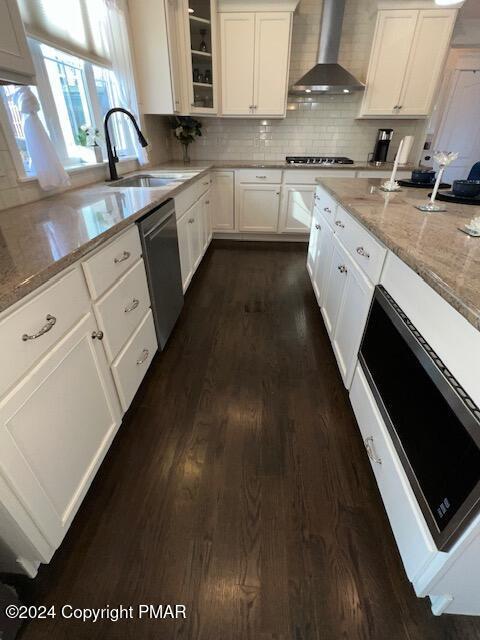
370, 447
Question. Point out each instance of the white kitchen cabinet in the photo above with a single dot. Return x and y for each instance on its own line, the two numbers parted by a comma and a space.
156, 48
407, 58
352, 315
186, 265
255, 55
16, 63
315, 230
258, 207
323, 259
336, 281
296, 208
222, 209
55, 428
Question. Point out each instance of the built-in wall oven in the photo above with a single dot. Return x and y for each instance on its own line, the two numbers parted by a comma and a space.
433, 423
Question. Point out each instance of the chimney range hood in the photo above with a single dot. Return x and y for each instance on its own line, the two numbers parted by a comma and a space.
327, 76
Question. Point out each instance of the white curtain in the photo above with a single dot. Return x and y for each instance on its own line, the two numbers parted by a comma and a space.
118, 42
48, 168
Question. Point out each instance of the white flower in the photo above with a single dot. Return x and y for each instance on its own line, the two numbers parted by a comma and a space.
474, 224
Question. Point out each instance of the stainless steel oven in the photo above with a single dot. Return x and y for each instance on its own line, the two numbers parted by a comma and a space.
434, 424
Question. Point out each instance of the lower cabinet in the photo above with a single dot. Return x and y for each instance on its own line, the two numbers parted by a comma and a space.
296, 208
258, 207
223, 215
194, 230
351, 316
323, 258
315, 229
55, 428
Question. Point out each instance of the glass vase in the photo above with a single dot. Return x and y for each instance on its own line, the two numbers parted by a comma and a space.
186, 155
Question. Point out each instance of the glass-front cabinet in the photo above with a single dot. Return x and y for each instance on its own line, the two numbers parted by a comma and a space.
201, 55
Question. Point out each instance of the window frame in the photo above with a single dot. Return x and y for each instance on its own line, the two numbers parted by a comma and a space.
50, 112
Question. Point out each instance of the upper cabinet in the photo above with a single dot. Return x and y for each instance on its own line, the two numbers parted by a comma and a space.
16, 64
255, 54
200, 44
174, 43
408, 54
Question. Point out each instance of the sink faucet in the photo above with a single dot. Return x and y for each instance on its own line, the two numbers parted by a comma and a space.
112, 154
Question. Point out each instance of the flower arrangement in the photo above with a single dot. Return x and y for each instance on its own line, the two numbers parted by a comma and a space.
87, 136
186, 130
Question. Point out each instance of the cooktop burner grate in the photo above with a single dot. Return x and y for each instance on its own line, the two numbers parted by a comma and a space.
324, 160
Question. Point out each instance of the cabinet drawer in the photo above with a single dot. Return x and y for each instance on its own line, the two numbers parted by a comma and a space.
267, 176
309, 176
413, 538
186, 198
108, 264
367, 252
133, 361
326, 205
49, 315
120, 310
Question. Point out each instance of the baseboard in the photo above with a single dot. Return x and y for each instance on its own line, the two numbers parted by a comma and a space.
262, 237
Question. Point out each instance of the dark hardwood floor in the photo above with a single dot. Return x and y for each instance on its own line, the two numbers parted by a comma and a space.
238, 484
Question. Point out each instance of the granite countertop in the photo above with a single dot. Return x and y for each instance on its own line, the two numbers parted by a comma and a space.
40, 239
275, 164
431, 244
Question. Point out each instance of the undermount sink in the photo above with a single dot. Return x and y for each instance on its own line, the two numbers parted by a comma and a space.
144, 181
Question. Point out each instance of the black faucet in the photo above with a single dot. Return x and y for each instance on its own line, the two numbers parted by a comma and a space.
112, 155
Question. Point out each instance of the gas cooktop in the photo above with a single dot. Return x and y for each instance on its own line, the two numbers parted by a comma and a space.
323, 160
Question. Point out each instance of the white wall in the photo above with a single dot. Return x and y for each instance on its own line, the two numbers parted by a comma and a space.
327, 126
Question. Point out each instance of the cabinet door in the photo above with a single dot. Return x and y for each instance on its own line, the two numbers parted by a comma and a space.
297, 205
186, 263
334, 286
222, 209
14, 52
201, 40
430, 46
208, 216
55, 428
195, 233
352, 316
258, 206
323, 259
176, 46
313, 242
388, 61
237, 36
272, 55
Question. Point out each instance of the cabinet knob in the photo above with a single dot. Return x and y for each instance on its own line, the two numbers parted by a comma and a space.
342, 268
207, 201
361, 252
132, 306
317, 226
143, 357
191, 221
340, 224
97, 335
327, 209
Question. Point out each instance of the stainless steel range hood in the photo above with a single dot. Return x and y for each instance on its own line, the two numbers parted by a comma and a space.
327, 76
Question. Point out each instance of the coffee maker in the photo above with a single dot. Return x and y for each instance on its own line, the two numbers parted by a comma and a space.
382, 143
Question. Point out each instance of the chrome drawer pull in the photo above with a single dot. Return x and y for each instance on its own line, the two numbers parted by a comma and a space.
51, 320
261, 177
97, 335
144, 356
133, 305
125, 256
206, 184
327, 209
361, 252
340, 224
317, 226
342, 268
370, 447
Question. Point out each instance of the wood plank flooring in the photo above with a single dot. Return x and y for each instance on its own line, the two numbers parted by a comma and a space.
238, 484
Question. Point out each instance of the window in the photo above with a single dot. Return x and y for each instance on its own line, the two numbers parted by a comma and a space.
75, 95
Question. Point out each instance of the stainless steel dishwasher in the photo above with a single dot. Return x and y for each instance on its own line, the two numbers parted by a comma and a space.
158, 233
